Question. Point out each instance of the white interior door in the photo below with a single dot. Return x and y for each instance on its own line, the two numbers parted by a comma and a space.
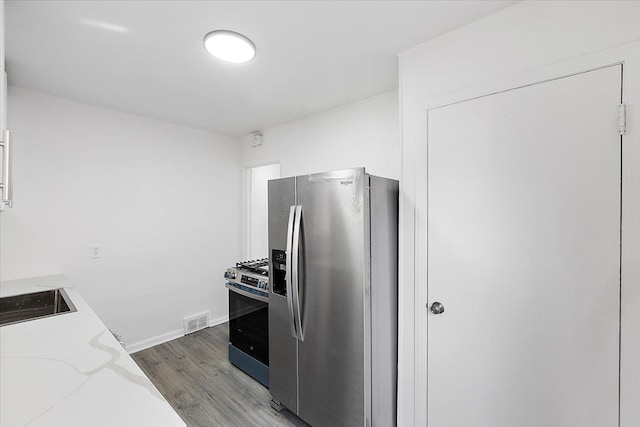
524, 254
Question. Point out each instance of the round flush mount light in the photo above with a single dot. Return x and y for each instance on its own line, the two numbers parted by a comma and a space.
229, 46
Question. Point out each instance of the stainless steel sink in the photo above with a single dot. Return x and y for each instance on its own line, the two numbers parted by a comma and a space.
36, 305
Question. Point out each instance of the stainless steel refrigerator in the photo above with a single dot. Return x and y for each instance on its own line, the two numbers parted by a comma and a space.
333, 245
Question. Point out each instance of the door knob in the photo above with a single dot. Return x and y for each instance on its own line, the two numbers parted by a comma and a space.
437, 308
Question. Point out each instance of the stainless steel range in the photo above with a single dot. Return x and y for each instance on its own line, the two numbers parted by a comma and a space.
248, 283
250, 278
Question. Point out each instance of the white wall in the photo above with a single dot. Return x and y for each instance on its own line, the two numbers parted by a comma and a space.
161, 199
520, 40
362, 134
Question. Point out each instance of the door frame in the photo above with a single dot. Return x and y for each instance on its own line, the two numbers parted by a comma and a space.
413, 353
247, 169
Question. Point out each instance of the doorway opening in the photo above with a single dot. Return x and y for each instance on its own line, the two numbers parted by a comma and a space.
257, 226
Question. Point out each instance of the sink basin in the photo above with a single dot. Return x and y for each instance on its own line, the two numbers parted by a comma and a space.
36, 305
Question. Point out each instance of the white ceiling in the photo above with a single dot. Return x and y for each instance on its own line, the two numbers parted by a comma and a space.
311, 55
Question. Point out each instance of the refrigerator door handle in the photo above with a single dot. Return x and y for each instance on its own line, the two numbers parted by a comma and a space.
296, 273
287, 273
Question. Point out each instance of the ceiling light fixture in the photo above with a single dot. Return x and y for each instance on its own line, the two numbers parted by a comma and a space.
229, 46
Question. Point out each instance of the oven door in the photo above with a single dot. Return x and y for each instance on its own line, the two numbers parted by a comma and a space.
249, 326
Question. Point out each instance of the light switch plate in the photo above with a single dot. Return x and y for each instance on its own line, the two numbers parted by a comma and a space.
95, 251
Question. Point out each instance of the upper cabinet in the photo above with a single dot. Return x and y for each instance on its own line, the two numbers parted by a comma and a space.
3, 86
5, 144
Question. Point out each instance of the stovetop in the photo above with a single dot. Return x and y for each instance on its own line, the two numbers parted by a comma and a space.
258, 266
249, 278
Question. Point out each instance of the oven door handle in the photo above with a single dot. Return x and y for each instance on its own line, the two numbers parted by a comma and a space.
296, 273
287, 274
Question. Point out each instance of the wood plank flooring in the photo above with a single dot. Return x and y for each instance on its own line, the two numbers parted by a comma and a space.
194, 374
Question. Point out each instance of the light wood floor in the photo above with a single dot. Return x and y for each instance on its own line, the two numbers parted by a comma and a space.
194, 374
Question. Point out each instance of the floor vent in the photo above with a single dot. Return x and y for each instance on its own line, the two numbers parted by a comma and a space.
195, 323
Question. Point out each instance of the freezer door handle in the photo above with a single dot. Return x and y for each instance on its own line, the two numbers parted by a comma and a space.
287, 273
295, 265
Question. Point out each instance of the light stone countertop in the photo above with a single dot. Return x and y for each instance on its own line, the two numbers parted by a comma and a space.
68, 370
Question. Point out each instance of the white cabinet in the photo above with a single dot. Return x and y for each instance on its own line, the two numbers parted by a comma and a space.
3, 86
5, 177
3, 102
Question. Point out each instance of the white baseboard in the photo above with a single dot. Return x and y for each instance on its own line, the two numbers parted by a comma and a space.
153, 341
218, 321
169, 336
